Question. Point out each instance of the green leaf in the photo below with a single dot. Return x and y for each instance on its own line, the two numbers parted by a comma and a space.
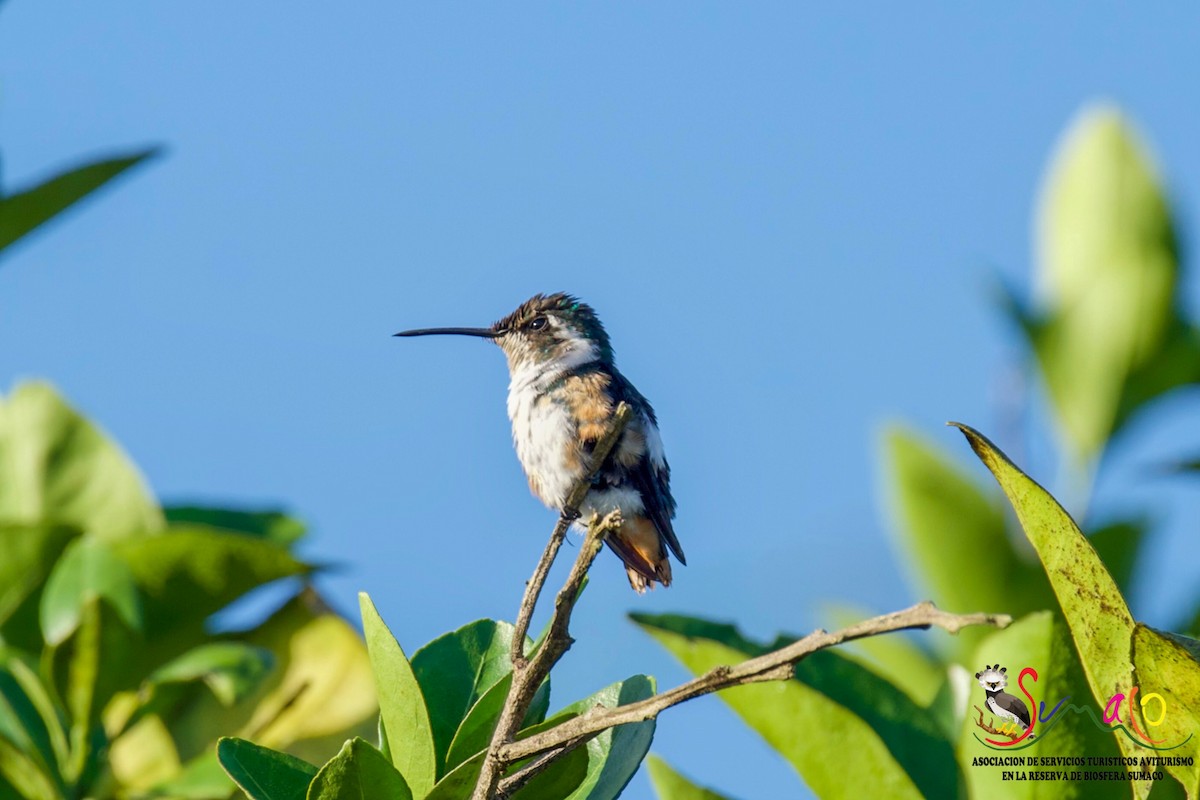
475, 732
945, 521
56, 467
36, 693
359, 771
381, 734
27, 556
230, 669
1169, 664
202, 778
22, 773
1100, 622
1108, 272
848, 732
615, 755
456, 669
671, 785
891, 655
264, 774
913, 737
23, 726
458, 783
88, 570
1118, 545
1177, 363
98, 655
1191, 626
1042, 642
188, 574
24, 211
272, 525
559, 781
401, 704
320, 693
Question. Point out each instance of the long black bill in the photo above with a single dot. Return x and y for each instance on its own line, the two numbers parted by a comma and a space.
483, 333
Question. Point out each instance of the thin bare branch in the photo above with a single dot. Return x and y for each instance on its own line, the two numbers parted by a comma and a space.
530, 671
776, 665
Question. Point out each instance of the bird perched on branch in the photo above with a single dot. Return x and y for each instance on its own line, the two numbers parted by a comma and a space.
994, 681
564, 390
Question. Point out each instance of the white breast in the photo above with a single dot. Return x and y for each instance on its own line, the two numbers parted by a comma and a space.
1000, 712
541, 431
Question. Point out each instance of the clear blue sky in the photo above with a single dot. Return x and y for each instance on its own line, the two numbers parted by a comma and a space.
786, 215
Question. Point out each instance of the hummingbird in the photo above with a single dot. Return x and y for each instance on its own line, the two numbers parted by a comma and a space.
563, 390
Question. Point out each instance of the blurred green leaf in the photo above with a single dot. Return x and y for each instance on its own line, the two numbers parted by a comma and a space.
913, 737
887, 656
230, 669
320, 693
812, 722
1108, 271
263, 773
56, 467
22, 773
359, 771
89, 570
1169, 664
456, 669
24, 211
401, 704
1041, 641
31, 686
98, 654
190, 573
274, 526
475, 732
1181, 465
945, 521
27, 556
202, 778
1118, 545
84, 675
1191, 627
1100, 622
671, 785
1175, 364
23, 726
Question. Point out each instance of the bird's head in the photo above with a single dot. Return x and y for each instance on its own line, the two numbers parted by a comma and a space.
545, 331
992, 679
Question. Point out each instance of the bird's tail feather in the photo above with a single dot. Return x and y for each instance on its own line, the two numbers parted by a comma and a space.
638, 544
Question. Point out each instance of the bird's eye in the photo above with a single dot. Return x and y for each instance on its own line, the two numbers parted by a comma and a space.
537, 324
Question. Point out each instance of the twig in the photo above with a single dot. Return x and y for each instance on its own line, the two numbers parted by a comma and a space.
992, 729
777, 665
529, 671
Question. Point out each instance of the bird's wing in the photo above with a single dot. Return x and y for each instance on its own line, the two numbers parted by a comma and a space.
653, 484
1015, 706
652, 474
